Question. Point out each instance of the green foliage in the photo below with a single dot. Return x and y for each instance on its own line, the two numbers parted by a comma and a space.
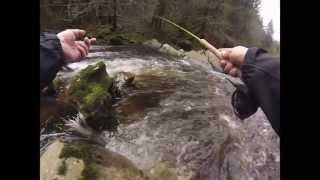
224, 23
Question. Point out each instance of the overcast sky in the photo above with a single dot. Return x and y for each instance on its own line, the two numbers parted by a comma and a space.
270, 9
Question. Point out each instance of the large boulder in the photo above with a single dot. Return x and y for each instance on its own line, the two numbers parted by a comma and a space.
90, 92
78, 160
163, 48
153, 43
167, 49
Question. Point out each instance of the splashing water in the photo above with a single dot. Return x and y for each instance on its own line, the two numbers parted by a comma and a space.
180, 113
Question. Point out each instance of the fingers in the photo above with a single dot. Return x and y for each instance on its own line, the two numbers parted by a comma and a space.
81, 50
228, 67
234, 72
225, 52
84, 45
78, 33
88, 41
93, 40
223, 63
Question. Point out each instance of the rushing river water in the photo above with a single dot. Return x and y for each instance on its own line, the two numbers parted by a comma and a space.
179, 114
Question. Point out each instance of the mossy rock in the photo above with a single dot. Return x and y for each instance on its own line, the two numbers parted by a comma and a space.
90, 92
136, 38
58, 83
90, 85
163, 171
79, 160
117, 40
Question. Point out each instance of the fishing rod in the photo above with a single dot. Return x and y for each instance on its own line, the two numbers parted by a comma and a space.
203, 42
207, 45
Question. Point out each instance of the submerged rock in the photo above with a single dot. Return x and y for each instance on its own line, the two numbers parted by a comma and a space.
89, 91
79, 160
120, 82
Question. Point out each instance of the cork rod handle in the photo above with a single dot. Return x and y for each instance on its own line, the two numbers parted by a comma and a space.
211, 48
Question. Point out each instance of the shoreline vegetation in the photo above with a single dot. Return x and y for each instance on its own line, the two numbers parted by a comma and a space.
118, 22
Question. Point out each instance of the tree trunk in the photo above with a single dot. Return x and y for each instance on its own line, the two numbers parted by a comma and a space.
114, 20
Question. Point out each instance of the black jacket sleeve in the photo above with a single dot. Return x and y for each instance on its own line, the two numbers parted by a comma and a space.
51, 58
261, 74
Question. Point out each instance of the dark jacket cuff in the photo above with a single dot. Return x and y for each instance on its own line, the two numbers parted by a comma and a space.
51, 58
51, 42
252, 55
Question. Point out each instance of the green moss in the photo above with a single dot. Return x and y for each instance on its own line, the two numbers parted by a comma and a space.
80, 178
90, 172
97, 92
92, 84
74, 150
90, 92
58, 83
84, 152
96, 158
136, 38
62, 168
162, 171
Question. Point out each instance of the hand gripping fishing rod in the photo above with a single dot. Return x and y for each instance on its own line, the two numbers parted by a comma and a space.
240, 86
203, 42
241, 102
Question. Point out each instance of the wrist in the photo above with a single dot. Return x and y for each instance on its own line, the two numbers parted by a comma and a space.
62, 46
243, 55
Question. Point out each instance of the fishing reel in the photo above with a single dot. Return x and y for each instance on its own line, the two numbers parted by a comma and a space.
242, 102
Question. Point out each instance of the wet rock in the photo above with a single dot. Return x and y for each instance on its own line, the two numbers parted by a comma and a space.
89, 91
121, 81
79, 160
166, 48
193, 131
162, 171
153, 43
163, 48
179, 122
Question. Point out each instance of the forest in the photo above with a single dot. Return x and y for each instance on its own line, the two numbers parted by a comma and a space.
224, 23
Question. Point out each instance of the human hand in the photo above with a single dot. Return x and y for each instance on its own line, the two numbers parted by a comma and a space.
232, 59
75, 44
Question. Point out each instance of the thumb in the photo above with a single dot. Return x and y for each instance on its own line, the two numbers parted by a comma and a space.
78, 33
225, 53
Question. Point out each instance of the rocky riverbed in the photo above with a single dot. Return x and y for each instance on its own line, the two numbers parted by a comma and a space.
175, 122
